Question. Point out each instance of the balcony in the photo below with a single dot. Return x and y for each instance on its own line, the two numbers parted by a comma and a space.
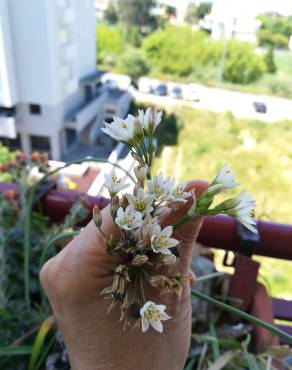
7, 126
80, 118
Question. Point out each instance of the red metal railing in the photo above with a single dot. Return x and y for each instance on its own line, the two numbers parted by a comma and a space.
217, 232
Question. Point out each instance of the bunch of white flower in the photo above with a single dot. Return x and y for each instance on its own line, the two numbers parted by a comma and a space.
143, 242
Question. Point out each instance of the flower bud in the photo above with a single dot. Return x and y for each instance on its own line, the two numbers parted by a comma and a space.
161, 212
227, 204
97, 216
125, 202
139, 260
141, 171
10, 194
115, 204
138, 130
35, 156
142, 244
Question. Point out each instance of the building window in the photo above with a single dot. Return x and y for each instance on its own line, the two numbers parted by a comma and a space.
35, 109
71, 137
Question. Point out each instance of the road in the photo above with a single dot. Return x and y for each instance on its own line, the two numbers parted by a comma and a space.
219, 100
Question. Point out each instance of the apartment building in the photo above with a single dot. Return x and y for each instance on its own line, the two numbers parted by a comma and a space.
51, 97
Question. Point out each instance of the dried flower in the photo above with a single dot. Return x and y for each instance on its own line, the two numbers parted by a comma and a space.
153, 314
161, 241
140, 260
169, 259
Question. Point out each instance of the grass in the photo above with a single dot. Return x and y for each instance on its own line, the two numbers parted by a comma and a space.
261, 155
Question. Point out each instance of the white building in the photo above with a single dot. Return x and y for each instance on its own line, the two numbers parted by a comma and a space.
50, 94
231, 19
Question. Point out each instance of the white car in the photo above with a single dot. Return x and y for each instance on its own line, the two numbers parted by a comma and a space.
144, 85
191, 92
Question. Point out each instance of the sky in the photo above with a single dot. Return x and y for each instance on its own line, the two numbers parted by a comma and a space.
282, 6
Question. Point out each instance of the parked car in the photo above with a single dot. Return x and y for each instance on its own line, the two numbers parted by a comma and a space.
111, 84
192, 92
260, 107
144, 85
160, 90
175, 92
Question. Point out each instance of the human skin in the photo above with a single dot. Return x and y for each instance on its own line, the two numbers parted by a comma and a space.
95, 340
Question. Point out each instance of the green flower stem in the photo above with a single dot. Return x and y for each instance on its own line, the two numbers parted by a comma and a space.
243, 315
26, 247
182, 221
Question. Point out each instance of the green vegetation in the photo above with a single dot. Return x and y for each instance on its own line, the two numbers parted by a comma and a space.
109, 44
196, 60
260, 153
275, 30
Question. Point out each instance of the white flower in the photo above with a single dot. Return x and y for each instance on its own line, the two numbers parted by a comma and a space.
127, 130
179, 194
113, 183
161, 241
153, 314
149, 119
161, 188
225, 178
128, 219
244, 210
142, 202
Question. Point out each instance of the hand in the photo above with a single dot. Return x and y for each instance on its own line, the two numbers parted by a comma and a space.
94, 339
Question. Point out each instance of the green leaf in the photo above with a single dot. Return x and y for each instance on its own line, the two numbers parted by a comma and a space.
243, 315
190, 364
252, 364
15, 351
39, 341
223, 360
214, 344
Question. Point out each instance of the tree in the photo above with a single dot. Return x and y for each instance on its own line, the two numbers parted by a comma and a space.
270, 61
110, 14
137, 13
109, 43
242, 64
275, 30
134, 65
191, 12
203, 9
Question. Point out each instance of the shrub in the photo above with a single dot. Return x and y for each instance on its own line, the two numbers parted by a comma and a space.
176, 50
134, 65
242, 64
